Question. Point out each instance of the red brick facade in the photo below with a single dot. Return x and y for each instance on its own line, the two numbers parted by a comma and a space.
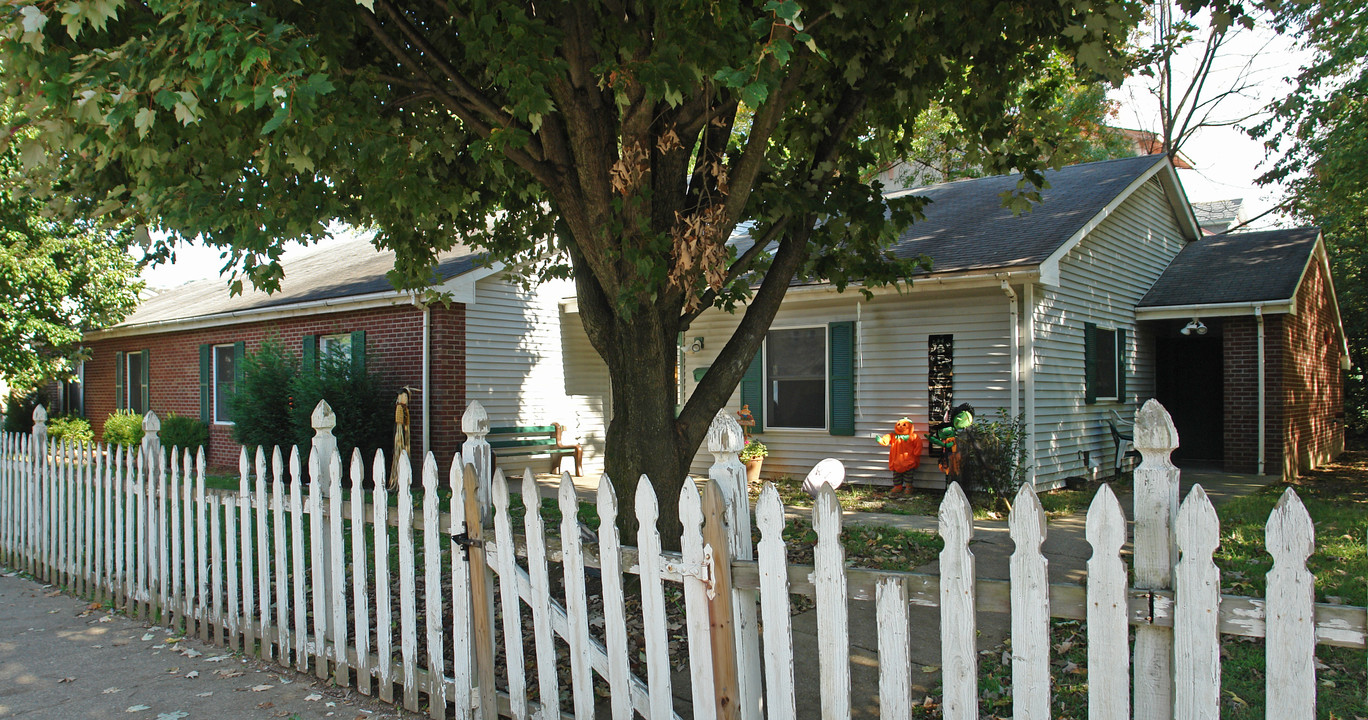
1304, 385
394, 346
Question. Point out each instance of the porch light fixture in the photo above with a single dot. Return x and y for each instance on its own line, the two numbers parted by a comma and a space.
1194, 325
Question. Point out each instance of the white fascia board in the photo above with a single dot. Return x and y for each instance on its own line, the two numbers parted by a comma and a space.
1173, 188
1240, 309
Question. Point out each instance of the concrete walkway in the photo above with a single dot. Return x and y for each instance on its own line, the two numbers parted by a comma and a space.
63, 658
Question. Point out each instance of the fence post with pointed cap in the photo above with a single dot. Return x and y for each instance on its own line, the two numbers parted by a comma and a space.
40, 431
324, 443
725, 441
1156, 515
475, 451
39, 494
151, 442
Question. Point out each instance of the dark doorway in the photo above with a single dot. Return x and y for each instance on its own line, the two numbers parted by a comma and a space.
1190, 382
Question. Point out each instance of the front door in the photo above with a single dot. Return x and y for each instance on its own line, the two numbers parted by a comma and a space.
1190, 384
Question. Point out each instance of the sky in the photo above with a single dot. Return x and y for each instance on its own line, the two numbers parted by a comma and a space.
1225, 160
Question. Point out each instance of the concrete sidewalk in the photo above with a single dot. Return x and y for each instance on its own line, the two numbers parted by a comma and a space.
63, 658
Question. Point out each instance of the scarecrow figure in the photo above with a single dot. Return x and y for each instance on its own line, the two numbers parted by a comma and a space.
904, 454
401, 435
746, 420
946, 438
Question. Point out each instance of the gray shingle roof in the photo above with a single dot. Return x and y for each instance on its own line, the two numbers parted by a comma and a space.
345, 270
967, 228
1235, 268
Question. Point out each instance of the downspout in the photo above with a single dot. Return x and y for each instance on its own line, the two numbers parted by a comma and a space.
427, 373
1259, 318
1014, 344
1028, 372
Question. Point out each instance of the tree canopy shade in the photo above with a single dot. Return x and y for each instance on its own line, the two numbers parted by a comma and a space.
616, 143
1319, 137
58, 278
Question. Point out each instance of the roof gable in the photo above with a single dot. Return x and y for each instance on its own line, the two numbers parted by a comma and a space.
1237, 268
967, 229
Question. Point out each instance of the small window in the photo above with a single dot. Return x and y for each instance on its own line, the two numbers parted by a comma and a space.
136, 380
225, 383
796, 373
1106, 384
335, 346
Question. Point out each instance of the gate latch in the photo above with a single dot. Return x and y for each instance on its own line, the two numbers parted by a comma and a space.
466, 542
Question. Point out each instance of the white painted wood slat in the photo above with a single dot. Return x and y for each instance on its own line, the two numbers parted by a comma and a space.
301, 608
231, 617
408, 630
615, 615
1108, 630
833, 633
576, 600
432, 591
462, 664
282, 567
318, 583
337, 585
547, 689
1156, 511
1030, 609
360, 565
692, 555
215, 569
895, 659
774, 606
959, 656
384, 649
506, 566
1290, 683
1196, 626
653, 600
202, 547
263, 559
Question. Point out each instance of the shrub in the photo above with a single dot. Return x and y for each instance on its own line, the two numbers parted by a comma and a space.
365, 411
262, 406
123, 427
994, 456
754, 450
71, 428
186, 433
19, 412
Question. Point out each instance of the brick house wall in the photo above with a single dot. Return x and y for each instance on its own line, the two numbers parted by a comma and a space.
1304, 385
1312, 378
394, 341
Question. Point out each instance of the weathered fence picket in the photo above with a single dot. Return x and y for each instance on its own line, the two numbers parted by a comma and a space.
264, 569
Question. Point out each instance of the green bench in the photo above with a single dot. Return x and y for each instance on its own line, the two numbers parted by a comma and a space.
533, 440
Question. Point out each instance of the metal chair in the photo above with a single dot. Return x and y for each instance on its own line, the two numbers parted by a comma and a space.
1123, 436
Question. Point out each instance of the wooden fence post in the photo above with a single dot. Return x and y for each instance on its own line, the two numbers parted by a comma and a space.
475, 452
1156, 515
38, 490
725, 440
481, 595
726, 674
321, 480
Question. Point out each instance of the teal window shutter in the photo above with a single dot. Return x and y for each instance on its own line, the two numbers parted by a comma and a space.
205, 379
1090, 362
841, 377
753, 389
358, 347
1121, 364
310, 352
146, 389
120, 367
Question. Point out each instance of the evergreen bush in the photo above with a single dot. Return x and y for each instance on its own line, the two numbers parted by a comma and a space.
364, 409
19, 412
71, 428
185, 433
262, 407
123, 427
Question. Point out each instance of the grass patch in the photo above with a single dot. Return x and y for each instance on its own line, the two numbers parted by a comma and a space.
871, 498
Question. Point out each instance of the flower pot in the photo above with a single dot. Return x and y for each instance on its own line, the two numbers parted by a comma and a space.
753, 470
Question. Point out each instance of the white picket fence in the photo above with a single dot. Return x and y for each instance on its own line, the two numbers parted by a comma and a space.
302, 574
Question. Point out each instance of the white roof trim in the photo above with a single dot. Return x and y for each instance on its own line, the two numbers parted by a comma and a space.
1173, 188
461, 287
1320, 253
1179, 312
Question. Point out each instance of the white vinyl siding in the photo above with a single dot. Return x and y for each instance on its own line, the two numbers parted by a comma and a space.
516, 360
890, 372
1101, 280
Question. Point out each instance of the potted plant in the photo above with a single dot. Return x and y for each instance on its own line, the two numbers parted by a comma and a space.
753, 455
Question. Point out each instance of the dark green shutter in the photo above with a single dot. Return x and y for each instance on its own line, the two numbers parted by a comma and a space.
753, 389
1121, 364
120, 367
1090, 362
842, 377
310, 352
358, 342
206, 378
146, 389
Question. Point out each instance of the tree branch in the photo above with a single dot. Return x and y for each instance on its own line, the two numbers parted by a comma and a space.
738, 267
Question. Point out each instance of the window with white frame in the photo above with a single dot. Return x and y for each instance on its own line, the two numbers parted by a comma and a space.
225, 383
796, 378
337, 346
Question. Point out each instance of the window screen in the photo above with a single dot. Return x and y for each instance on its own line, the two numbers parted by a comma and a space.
795, 370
